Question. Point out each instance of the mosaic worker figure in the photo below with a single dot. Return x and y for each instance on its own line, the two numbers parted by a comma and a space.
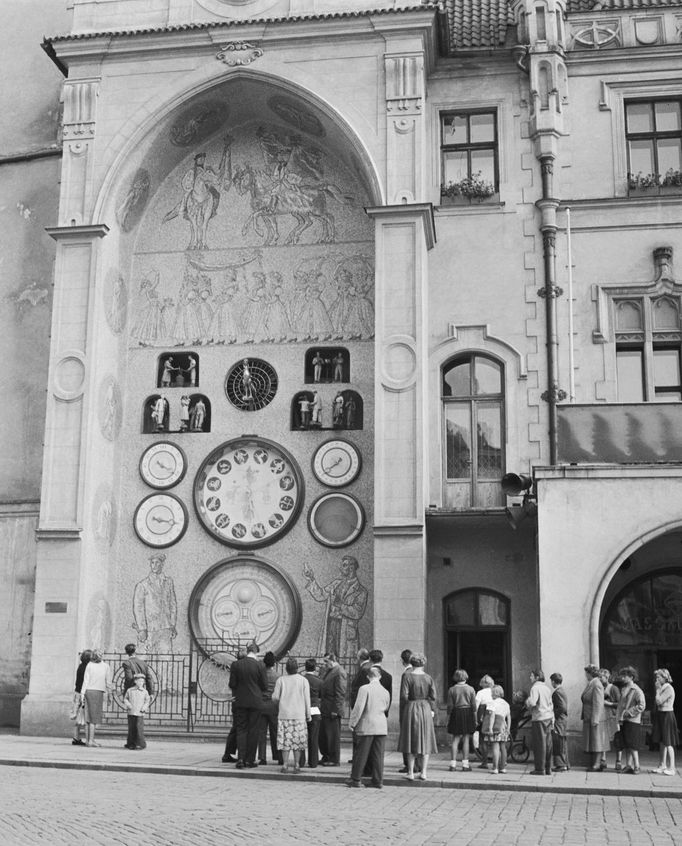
155, 608
346, 600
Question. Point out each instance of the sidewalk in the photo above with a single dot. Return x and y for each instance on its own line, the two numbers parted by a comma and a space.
197, 757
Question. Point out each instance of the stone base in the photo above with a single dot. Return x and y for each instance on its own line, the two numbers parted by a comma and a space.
46, 716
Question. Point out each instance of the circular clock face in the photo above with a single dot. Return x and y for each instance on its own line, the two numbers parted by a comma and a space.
248, 492
336, 463
336, 519
163, 465
242, 600
160, 520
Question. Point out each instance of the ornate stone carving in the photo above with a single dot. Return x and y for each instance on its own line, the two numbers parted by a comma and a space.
80, 102
597, 34
404, 83
238, 53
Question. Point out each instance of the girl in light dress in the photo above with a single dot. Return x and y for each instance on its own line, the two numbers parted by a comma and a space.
665, 731
496, 728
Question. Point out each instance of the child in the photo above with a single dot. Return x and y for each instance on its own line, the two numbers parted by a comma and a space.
496, 728
136, 701
461, 717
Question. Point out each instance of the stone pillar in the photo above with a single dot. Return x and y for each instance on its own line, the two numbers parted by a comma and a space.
403, 235
58, 567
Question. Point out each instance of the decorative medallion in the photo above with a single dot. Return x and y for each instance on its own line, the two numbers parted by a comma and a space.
248, 492
160, 520
336, 519
163, 465
337, 463
238, 53
110, 410
241, 600
251, 384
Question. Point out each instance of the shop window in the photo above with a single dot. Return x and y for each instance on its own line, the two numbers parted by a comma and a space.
178, 370
472, 396
469, 156
653, 132
648, 342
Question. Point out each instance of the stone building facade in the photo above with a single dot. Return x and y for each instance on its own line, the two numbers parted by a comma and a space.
324, 274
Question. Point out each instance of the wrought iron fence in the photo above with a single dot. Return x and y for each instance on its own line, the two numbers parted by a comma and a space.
191, 691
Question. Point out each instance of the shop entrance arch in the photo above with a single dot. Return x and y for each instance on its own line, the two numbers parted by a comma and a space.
476, 628
642, 627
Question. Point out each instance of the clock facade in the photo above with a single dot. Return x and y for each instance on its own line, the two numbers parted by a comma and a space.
163, 465
242, 600
248, 492
160, 520
337, 463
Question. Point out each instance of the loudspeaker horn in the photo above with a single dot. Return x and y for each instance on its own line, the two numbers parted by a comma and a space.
514, 484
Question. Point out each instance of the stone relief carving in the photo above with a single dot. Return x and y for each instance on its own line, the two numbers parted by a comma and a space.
104, 517
236, 53
115, 300
98, 623
80, 101
132, 205
110, 408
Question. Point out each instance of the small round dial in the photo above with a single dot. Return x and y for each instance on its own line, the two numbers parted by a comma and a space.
336, 519
163, 465
160, 520
337, 463
243, 599
248, 492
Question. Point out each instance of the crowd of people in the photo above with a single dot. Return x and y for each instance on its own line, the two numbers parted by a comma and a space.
301, 711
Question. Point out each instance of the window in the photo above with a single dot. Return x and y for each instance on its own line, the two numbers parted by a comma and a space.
469, 153
648, 340
472, 394
653, 131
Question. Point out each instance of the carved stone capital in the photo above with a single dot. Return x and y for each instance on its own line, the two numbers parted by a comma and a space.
404, 84
80, 106
236, 53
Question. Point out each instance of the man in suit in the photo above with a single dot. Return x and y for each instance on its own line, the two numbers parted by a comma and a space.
315, 683
332, 700
248, 680
370, 726
560, 730
136, 665
360, 678
405, 656
376, 656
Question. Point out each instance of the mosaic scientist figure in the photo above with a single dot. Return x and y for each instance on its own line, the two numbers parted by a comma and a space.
346, 600
155, 608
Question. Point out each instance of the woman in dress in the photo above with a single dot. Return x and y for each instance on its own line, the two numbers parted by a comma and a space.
595, 732
77, 711
461, 717
292, 693
611, 697
497, 728
417, 734
629, 712
665, 731
96, 683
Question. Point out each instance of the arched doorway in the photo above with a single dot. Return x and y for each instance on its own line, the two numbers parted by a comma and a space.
476, 629
642, 627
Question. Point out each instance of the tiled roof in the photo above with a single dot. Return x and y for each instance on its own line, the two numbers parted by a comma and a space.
478, 23
577, 6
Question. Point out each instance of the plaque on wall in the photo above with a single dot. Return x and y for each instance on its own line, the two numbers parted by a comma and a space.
244, 599
248, 492
336, 519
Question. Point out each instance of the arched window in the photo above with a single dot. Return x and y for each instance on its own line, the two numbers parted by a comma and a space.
472, 395
476, 625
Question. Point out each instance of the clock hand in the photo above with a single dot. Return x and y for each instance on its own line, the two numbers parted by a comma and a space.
161, 520
332, 466
163, 466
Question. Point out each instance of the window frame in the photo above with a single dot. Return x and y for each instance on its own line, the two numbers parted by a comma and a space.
654, 135
470, 146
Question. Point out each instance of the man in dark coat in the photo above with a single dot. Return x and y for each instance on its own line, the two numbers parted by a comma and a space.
134, 665
332, 701
315, 683
248, 680
560, 730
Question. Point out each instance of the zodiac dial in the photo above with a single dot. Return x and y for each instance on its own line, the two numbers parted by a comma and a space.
248, 492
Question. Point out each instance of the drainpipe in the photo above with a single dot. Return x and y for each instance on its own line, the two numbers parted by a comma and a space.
548, 226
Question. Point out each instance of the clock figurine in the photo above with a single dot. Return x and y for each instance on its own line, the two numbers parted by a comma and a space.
337, 463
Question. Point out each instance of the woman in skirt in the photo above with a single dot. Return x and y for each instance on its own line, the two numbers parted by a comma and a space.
665, 731
292, 693
496, 728
461, 717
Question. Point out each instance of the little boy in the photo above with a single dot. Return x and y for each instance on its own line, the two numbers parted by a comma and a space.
136, 702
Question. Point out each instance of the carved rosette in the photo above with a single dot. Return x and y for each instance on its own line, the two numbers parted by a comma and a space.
236, 53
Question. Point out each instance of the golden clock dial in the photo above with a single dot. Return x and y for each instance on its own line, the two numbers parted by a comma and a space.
248, 492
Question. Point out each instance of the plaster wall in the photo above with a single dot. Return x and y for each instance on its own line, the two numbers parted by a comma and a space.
589, 520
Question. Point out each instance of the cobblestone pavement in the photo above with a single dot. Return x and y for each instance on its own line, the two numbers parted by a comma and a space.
103, 808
